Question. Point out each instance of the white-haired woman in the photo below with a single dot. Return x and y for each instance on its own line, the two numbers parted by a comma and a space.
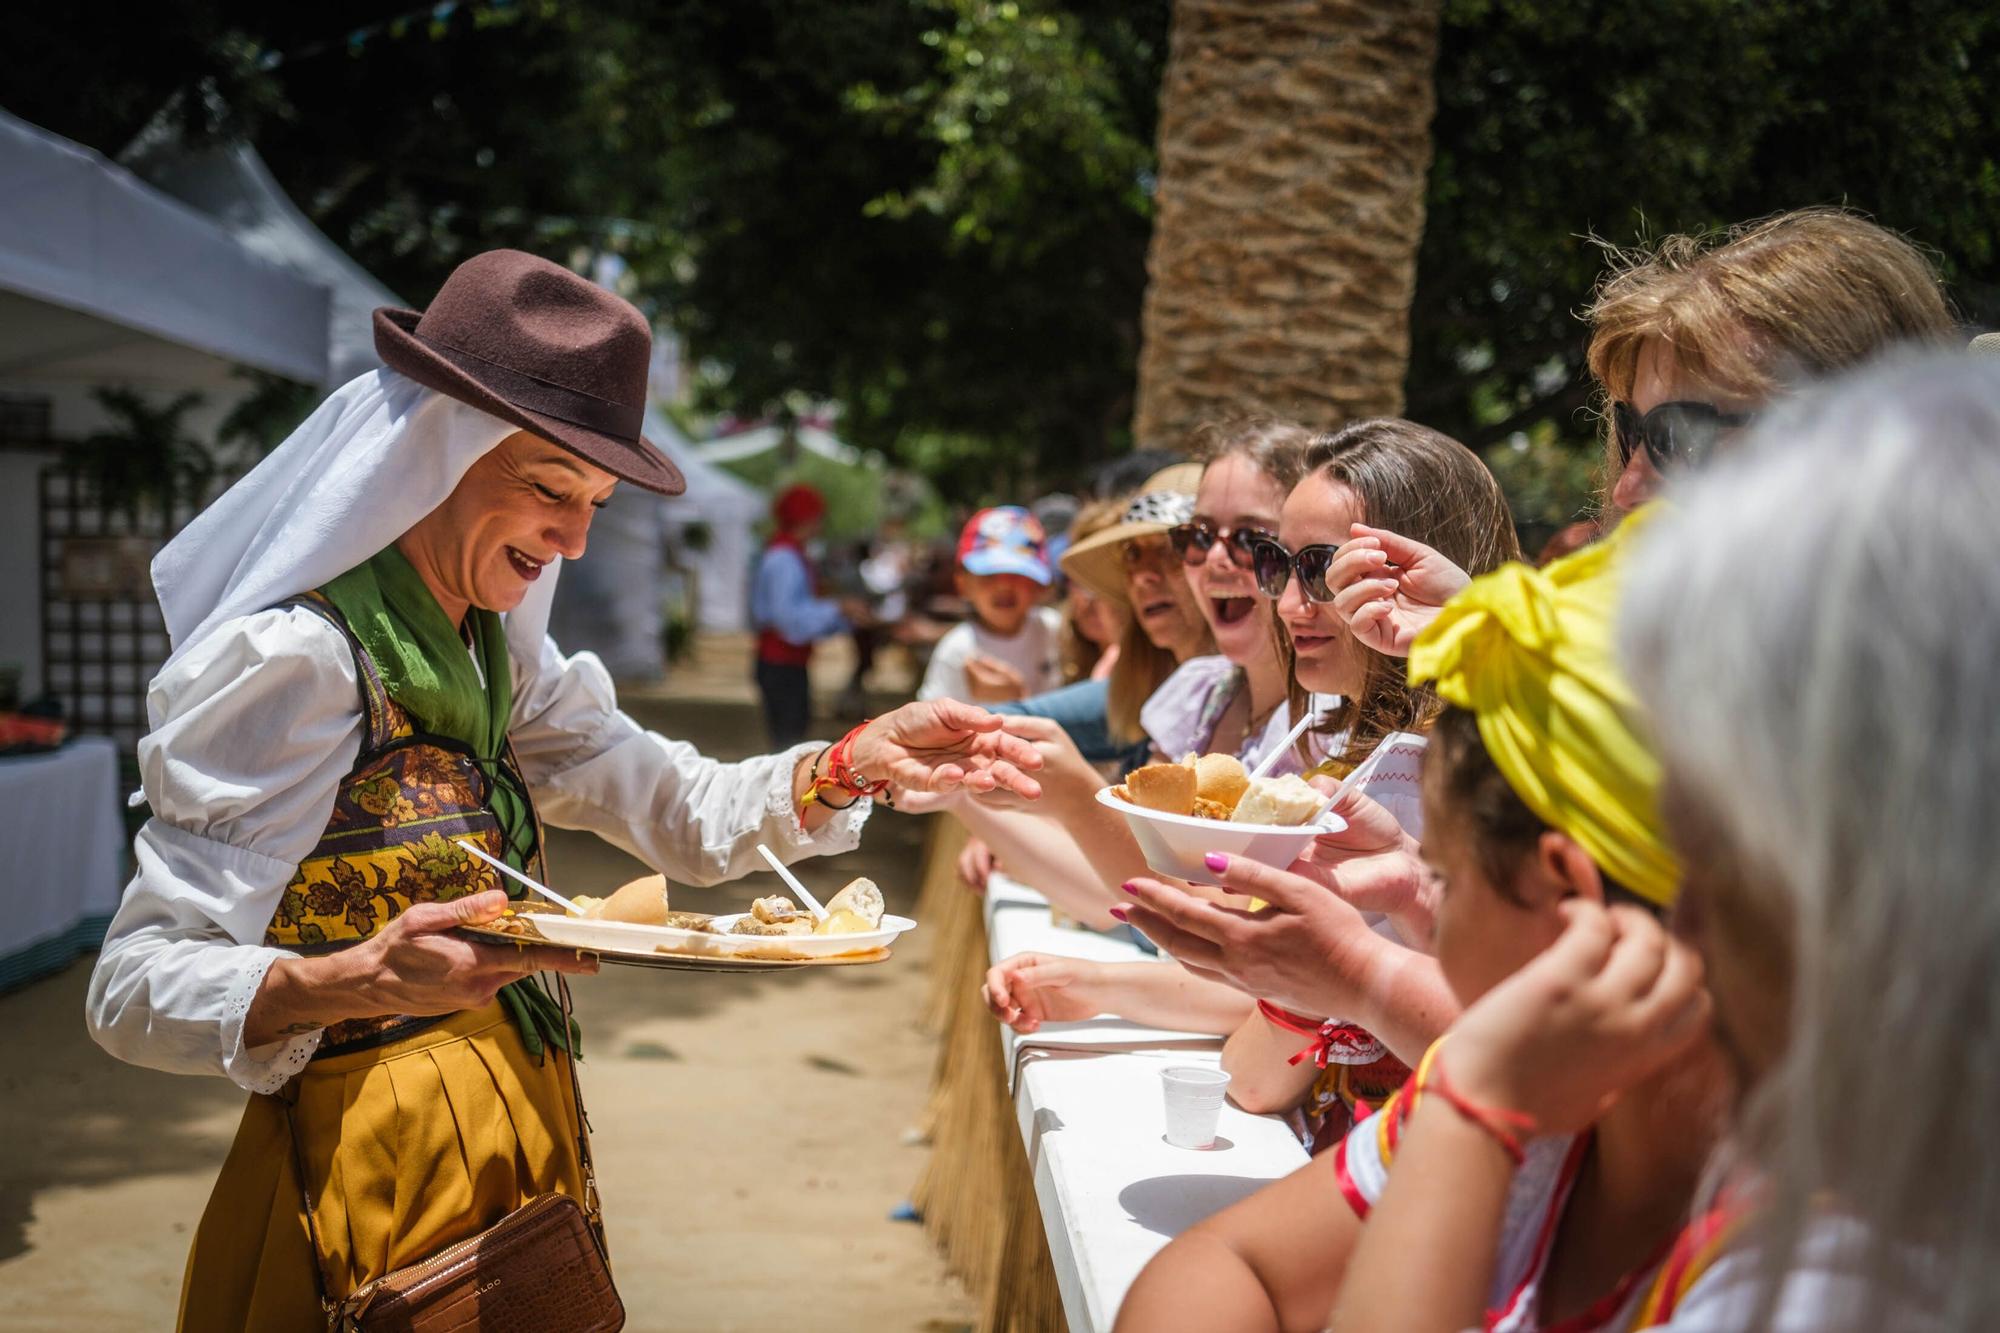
1814, 627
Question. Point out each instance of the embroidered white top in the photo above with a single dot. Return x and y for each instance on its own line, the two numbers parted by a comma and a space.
1700, 1282
253, 728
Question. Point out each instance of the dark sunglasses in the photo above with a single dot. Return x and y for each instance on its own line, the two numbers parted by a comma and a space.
1274, 566
1193, 541
1673, 434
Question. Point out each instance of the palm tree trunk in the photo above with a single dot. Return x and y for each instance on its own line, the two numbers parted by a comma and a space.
1294, 143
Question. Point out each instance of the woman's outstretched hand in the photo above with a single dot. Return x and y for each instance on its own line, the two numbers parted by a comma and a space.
943, 745
1388, 588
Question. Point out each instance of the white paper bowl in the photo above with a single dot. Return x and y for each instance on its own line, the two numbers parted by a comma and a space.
583, 933
1175, 844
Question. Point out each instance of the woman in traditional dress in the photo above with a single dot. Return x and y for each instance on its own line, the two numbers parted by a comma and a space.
361, 677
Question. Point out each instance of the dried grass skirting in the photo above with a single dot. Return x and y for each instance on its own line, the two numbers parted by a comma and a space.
976, 1195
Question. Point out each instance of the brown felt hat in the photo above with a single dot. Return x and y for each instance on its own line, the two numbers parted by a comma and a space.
532, 343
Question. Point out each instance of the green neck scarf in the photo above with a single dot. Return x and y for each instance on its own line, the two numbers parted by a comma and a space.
422, 656
424, 664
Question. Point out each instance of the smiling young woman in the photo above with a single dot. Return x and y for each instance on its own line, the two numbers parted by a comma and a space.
1234, 702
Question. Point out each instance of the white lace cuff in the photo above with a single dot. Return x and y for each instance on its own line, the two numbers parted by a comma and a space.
261, 1068
842, 833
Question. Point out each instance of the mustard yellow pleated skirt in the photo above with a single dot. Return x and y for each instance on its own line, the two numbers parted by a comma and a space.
409, 1147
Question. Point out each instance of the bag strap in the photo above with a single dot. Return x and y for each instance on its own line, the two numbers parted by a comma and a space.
287, 1096
337, 1313
591, 1211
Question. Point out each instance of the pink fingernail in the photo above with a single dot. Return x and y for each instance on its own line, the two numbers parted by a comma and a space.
1127, 886
1119, 913
1216, 861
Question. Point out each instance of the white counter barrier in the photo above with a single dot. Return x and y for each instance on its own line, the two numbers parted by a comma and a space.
1111, 1190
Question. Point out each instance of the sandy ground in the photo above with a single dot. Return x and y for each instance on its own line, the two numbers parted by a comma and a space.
751, 1130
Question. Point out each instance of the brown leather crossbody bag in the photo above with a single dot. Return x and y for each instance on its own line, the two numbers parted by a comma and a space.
542, 1267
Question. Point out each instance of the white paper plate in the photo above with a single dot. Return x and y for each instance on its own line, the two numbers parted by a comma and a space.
583, 933
1175, 844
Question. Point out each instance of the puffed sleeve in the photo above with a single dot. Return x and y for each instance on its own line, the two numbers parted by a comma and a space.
695, 819
252, 731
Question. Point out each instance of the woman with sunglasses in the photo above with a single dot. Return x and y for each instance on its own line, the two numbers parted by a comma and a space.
1408, 477
1236, 702
1400, 474
1688, 343
1071, 847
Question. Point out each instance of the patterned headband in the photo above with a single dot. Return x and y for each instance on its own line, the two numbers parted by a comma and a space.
1168, 507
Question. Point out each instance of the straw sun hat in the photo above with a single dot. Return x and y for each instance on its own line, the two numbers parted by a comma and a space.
1167, 498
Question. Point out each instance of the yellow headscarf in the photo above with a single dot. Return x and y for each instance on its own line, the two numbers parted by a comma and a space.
1530, 653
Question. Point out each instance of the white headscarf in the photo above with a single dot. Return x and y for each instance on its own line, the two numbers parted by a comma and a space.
378, 455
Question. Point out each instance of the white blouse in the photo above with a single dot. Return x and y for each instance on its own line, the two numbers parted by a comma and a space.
253, 729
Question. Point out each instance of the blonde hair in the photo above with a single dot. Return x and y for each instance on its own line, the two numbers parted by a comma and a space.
1142, 667
1765, 303
1077, 653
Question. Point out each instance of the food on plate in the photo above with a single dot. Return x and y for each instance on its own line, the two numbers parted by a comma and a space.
776, 910
855, 909
1289, 800
700, 921
1169, 788
776, 915
643, 902
1216, 786
1219, 779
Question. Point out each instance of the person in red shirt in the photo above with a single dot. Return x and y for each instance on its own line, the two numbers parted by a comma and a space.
790, 615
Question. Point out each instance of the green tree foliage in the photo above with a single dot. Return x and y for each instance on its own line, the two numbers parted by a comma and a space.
936, 211
1628, 119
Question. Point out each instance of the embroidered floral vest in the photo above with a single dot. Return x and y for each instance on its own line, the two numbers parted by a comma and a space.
392, 837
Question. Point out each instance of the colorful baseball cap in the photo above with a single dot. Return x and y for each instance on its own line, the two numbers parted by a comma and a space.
1005, 540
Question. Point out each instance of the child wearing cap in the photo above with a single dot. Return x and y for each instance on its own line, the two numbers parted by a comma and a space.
1009, 649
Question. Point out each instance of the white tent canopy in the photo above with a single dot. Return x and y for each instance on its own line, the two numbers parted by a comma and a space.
230, 184
730, 508
763, 439
612, 602
126, 267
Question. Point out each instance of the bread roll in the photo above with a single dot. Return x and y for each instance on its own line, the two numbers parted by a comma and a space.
1287, 801
1169, 788
1220, 778
643, 902
856, 908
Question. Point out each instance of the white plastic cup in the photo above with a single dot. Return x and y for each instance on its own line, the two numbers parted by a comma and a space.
1194, 1104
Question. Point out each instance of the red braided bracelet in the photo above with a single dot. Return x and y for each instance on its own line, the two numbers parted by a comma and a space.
1495, 1120
841, 777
